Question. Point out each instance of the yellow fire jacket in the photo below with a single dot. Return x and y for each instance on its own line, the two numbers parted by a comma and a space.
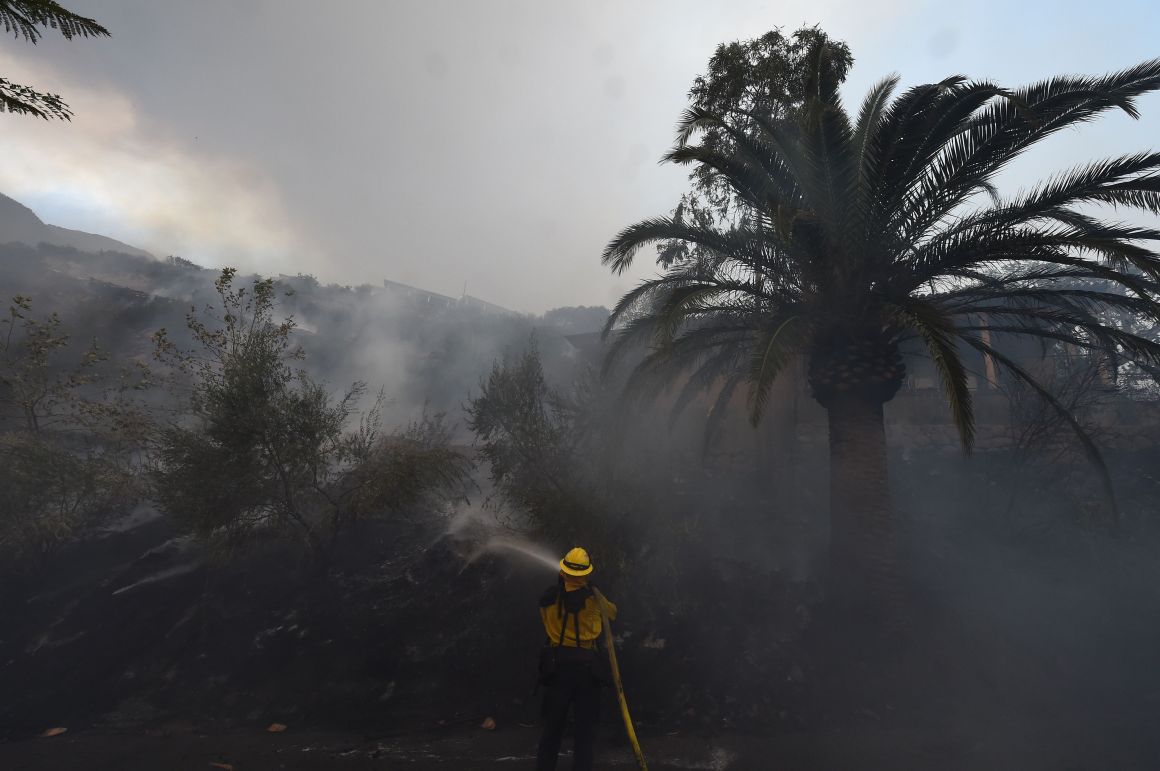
557, 605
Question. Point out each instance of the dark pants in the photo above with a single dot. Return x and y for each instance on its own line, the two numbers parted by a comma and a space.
572, 686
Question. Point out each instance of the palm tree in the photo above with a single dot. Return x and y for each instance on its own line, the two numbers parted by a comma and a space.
855, 235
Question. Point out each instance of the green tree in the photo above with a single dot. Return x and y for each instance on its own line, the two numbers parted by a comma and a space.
529, 440
26, 19
69, 437
576, 320
765, 77
554, 462
267, 451
859, 233
760, 79
53, 489
32, 381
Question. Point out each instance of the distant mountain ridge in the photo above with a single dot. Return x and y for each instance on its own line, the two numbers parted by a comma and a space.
20, 224
36, 257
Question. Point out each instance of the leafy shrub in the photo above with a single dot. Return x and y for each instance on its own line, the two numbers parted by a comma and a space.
266, 449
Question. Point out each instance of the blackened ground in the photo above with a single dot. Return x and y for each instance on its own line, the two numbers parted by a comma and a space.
154, 658
137, 641
137, 628
1029, 746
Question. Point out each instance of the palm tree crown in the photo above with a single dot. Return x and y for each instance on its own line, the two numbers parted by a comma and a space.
857, 234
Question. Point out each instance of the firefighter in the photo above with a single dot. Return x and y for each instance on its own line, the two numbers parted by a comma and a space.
571, 669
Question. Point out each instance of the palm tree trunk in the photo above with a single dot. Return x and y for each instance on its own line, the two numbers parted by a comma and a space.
864, 576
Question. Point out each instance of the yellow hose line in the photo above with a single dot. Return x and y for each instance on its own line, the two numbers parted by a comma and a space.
608, 643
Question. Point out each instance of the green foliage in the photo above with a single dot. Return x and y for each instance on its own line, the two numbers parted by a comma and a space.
267, 451
554, 461
528, 437
53, 490
765, 78
67, 446
25, 19
576, 320
181, 263
30, 381
416, 466
576, 467
747, 82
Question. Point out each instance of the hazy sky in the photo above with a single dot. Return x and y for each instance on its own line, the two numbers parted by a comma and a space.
493, 144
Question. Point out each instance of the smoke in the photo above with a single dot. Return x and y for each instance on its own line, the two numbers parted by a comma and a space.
114, 171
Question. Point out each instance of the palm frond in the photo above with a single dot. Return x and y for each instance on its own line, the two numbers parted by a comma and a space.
1115, 245
1118, 182
695, 119
1007, 127
774, 349
748, 181
751, 155
870, 117
715, 368
715, 419
619, 253
951, 108
1049, 322
1090, 300
937, 332
891, 145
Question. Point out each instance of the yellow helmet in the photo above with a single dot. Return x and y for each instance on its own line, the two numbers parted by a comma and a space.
576, 563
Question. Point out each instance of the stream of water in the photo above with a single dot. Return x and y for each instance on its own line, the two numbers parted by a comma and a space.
524, 548
480, 530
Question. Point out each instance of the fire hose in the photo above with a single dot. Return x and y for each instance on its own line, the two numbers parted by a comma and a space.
611, 646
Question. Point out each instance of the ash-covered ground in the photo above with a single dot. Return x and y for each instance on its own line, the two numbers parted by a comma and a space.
154, 655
